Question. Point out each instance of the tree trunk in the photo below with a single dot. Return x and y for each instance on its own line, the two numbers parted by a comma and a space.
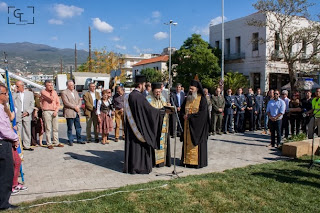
292, 77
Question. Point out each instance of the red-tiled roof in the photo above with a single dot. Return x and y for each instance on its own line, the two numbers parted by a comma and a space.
163, 58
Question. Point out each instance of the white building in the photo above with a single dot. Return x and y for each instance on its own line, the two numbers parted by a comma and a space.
130, 60
157, 63
245, 51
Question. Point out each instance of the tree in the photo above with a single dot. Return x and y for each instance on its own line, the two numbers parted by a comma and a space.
293, 34
152, 75
102, 62
195, 56
235, 80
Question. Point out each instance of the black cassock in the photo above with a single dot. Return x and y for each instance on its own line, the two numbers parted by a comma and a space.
139, 156
199, 130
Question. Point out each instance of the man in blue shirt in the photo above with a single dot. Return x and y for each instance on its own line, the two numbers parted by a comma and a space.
275, 110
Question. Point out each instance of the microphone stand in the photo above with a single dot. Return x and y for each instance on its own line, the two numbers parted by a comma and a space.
174, 173
313, 161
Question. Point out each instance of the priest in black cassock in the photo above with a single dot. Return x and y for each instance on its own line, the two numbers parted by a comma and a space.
142, 132
195, 128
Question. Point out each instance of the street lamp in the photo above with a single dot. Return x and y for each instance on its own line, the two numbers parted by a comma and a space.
170, 79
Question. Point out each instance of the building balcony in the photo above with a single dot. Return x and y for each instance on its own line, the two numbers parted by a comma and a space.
235, 56
277, 55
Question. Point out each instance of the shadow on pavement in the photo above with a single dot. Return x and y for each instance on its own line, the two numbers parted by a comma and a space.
237, 142
108, 159
256, 135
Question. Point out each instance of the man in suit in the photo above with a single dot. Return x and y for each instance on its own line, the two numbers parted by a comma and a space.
24, 104
71, 111
240, 102
147, 90
218, 104
229, 111
91, 100
251, 105
259, 108
178, 99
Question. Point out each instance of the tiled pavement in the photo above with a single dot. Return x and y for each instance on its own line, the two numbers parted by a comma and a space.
95, 166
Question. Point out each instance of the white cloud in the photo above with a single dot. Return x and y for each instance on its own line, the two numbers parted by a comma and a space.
102, 26
201, 30
155, 18
55, 21
116, 38
156, 14
147, 50
54, 38
160, 35
204, 30
138, 50
81, 44
121, 47
3, 6
217, 20
65, 11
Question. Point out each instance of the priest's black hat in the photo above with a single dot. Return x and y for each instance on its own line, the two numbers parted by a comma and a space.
140, 79
197, 84
156, 85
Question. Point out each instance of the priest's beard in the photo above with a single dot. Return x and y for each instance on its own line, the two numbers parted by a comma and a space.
157, 97
192, 96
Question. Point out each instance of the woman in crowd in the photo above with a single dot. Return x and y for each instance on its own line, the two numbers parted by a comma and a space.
37, 122
295, 113
105, 114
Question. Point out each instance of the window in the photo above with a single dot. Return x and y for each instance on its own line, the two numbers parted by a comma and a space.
255, 41
217, 44
238, 44
228, 46
276, 41
315, 45
304, 46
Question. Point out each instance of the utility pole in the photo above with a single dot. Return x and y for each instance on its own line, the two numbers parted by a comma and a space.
75, 57
71, 73
222, 49
90, 65
60, 65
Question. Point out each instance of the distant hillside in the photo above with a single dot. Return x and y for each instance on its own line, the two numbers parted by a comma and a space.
35, 57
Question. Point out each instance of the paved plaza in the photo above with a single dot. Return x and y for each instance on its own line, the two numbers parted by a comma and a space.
93, 166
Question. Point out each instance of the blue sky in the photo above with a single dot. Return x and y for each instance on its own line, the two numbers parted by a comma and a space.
125, 26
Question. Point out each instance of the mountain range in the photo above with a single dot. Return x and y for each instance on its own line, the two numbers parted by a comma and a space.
35, 58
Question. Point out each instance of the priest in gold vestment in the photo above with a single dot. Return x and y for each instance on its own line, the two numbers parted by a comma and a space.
157, 100
195, 127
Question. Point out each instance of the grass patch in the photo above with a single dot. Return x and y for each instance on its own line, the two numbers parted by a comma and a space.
299, 137
283, 186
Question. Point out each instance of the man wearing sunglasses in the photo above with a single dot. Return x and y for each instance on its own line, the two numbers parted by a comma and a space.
275, 110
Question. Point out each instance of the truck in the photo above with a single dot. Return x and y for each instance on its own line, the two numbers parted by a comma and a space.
82, 81
61, 83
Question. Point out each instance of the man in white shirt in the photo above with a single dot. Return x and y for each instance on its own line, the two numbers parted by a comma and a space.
24, 104
285, 120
